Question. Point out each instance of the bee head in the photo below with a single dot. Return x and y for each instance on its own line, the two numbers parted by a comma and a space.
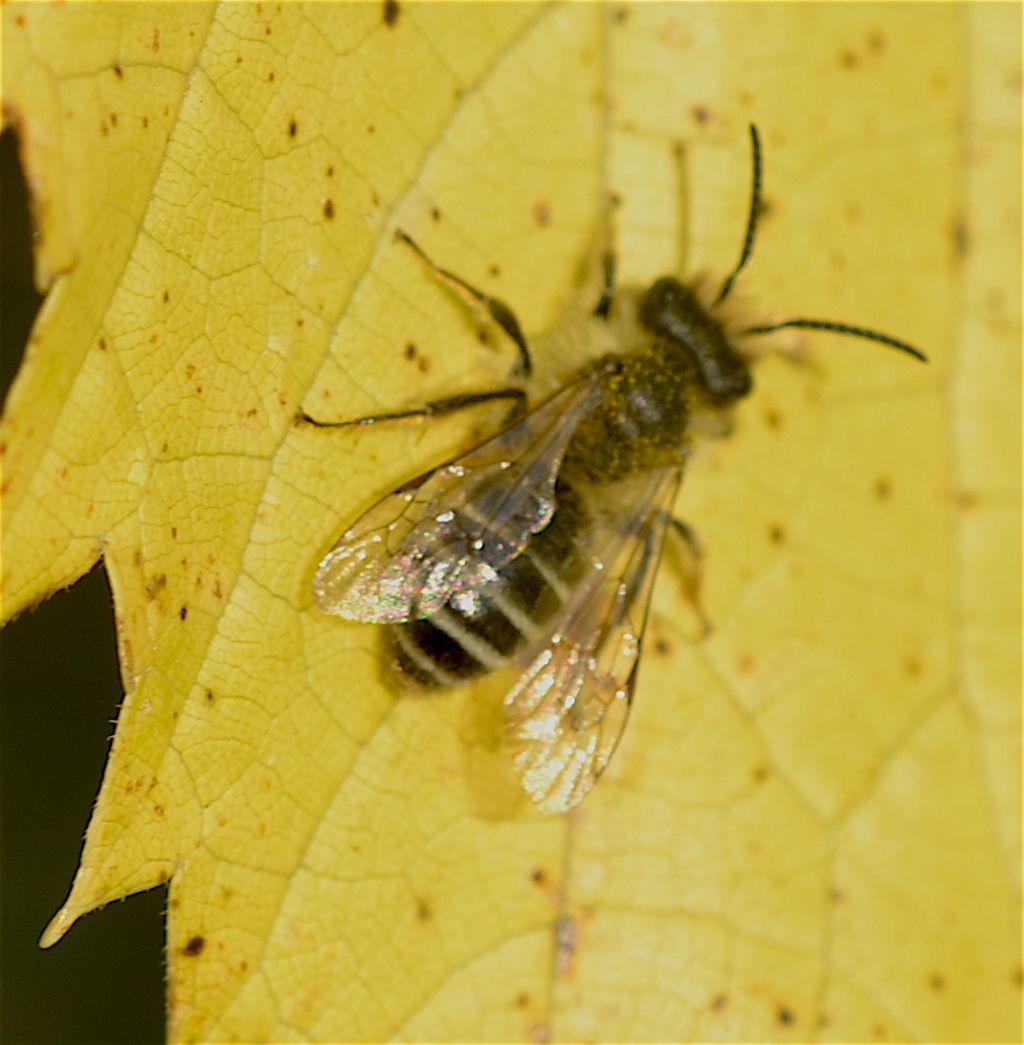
672, 312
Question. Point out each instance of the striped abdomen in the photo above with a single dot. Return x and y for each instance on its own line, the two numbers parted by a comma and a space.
483, 629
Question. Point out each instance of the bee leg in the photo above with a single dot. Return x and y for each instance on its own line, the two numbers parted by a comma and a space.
604, 303
436, 408
692, 563
682, 203
602, 255
501, 313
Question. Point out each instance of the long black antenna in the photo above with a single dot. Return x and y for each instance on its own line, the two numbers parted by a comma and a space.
755, 210
842, 328
847, 329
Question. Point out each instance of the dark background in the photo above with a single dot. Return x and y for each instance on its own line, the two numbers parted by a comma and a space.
59, 695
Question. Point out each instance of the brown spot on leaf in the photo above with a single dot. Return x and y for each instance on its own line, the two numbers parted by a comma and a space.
183, 613
392, 11
701, 115
539, 876
566, 938
410, 350
293, 127
542, 213
719, 1003
155, 585
776, 534
435, 213
209, 697
329, 209
194, 947
522, 1000
785, 1016
960, 237
424, 912
883, 488
937, 982
127, 657
118, 72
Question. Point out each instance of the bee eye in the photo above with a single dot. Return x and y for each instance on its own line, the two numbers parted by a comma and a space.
669, 309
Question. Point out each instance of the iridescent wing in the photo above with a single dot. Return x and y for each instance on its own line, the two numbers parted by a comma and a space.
455, 526
567, 710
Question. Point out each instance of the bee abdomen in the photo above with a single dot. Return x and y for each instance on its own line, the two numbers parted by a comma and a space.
481, 630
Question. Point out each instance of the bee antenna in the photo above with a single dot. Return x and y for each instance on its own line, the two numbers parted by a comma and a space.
755, 210
842, 328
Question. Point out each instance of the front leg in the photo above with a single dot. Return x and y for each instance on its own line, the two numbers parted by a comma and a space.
691, 556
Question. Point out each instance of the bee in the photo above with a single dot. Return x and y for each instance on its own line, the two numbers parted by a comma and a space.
537, 550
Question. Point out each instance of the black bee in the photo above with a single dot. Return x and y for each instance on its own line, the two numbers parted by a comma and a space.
537, 550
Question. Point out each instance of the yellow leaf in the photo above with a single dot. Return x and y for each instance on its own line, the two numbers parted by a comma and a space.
812, 827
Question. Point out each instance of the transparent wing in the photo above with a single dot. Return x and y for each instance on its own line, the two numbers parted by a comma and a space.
455, 526
567, 710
